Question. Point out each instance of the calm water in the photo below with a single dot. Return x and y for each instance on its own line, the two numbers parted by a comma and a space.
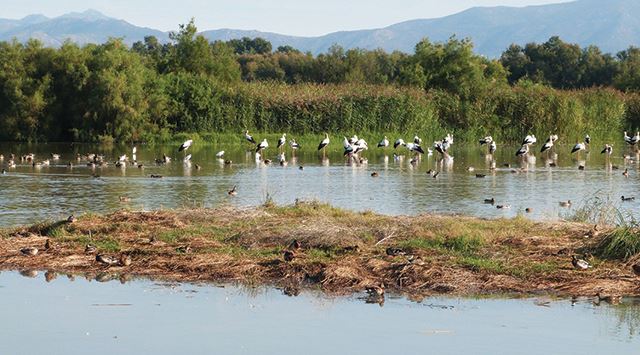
81, 317
31, 194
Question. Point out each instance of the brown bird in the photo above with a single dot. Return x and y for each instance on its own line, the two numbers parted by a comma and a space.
47, 244
90, 249
375, 291
288, 256
611, 299
106, 260
71, 219
391, 251
29, 251
125, 260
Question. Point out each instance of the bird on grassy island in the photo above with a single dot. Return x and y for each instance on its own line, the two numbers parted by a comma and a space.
383, 143
324, 143
125, 260
398, 142
578, 147
529, 140
71, 219
29, 251
90, 249
282, 140
579, 264
106, 260
47, 244
249, 138
185, 145
636, 269
263, 145
608, 149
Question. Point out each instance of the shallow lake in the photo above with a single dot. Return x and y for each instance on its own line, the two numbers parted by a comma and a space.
30, 194
79, 317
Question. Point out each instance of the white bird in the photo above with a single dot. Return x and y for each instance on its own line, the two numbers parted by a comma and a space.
486, 140
346, 143
414, 147
578, 147
353, 139
294, 145
547, 145
417, 140
383, 143
607, 149
524, 149
448, 139
249, 138
185, 145
579, 264
55, 156
439, 147
587, 139
398, 142
123, 158
282, 140
529, 139
263, 145
187, 158
324, 143
492, 147
220, 154
134, 150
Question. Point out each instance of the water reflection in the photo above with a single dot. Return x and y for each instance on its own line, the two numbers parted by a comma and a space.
144, 316
403, 186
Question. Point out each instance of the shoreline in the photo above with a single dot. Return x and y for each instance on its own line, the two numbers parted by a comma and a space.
313, 245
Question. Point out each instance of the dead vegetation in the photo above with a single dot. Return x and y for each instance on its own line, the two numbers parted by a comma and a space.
336, 250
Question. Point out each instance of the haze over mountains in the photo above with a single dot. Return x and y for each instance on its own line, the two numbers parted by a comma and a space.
612, 25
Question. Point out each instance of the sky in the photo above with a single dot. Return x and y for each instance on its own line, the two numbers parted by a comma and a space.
293, 17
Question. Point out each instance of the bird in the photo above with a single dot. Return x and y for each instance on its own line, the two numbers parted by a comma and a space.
608, 149
263, 145
249, 138
353, 139
288, 256
417, 140
490, 200
295, 245
587, 139
636, 269
125, 260
134, 150
627, 199
547, 145
578, 147
47, 244
486, 140
393, 251
294, 145
29, 251
625, 173
414, 147
503, 207
55, 156
185, 145
524, 149
528, 210
374, 174
187, 158
324, 143
220, 154
398, 142
492, 147
106, 260
233, 191
282, 140
383, 143
480, 176
90, 249
71, 219
566, 203
529, 140
579, 264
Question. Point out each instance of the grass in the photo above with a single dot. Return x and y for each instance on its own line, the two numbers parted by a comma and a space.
623, 243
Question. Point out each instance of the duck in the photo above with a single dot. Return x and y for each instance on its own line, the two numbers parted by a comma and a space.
233, 191
123, 199
625, 173
579, 264
374, 174
155, 176
566, 203
393, 251
106, 260
503, 207
375, 290
611, 299
90, 249
288, 256
528, 210
490, 200
627, 199
29, 251
125, 260
71, 219
636, 269
480, 176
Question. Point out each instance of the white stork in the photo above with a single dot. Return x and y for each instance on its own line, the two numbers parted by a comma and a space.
383, 143
185, 145
262, 146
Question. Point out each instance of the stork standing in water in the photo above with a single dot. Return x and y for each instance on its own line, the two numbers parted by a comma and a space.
184, 146
398, 143
578, 148
546, 147
384, 143
529, 140
249, 138
417, 140
262, 146
415, 148
323, 145
523, 151
488, 140
587, 139
608, 149
492, 147
282, 141
294, 146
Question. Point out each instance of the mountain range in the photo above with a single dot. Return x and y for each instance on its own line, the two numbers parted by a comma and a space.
612, 25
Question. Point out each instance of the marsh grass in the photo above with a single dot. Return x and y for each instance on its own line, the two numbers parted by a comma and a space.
623, 243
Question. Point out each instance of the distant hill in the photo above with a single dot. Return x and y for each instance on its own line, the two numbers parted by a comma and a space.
612, 25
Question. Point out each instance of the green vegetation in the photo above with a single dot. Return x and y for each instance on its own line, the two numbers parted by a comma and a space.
155, 92
621, 244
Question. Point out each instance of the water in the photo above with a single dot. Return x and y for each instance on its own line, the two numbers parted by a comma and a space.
32, 194
80, 317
